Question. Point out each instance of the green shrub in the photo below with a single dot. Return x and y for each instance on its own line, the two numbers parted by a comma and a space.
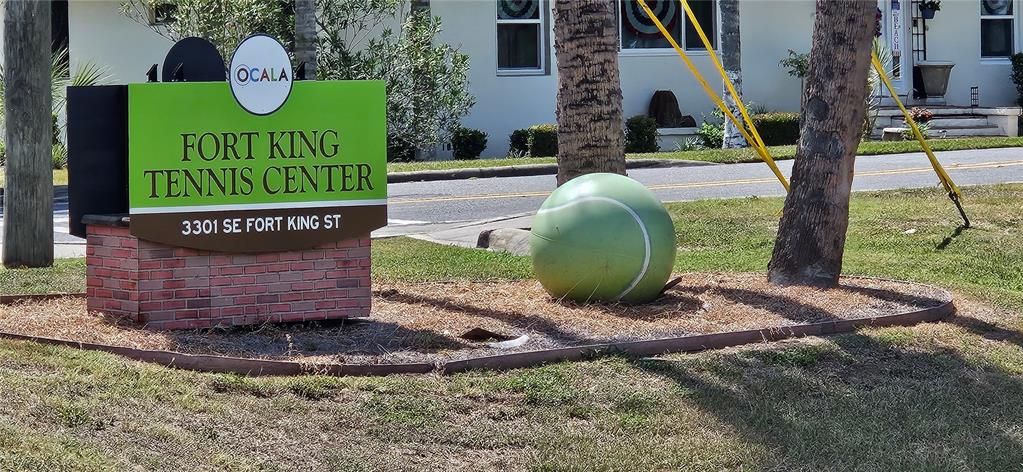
641, 134
518, 142
711, 134
468, 143
399, 150
59, 156
1017, 76
543, 140
777, 129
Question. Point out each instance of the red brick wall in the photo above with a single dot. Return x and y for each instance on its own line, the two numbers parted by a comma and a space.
165, 287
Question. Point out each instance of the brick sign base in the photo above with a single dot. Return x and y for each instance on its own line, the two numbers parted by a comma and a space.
165, 287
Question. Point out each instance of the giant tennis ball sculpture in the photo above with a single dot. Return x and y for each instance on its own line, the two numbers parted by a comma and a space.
603, 237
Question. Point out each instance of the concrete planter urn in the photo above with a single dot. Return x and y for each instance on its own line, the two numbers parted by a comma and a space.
934, 75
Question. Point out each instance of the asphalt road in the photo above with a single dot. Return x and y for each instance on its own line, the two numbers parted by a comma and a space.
424, 207
430, 203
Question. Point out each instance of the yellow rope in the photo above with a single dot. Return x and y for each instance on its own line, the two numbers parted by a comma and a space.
721, 71
756, 143
950, 186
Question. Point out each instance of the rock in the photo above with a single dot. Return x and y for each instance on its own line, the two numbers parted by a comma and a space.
511, 240
664, 109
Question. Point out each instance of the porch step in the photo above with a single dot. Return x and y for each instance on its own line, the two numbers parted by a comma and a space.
951, 132
966, 131
951, 110
966, 121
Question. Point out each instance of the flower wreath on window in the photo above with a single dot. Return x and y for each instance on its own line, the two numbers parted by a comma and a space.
641, 26
516, 9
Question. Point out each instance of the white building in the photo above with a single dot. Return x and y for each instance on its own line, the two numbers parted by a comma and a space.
514, 77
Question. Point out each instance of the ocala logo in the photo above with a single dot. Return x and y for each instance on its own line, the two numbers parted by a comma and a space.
245, 75
261, 76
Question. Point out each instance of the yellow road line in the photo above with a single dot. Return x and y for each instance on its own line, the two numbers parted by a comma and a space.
716, 183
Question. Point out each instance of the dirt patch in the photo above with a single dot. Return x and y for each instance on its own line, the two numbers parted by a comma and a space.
424, 322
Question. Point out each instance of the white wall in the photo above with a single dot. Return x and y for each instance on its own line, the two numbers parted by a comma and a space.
503, 103
954, 35
506, 103
100, 34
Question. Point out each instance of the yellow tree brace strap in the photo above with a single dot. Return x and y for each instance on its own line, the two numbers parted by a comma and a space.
721, 71
755, 142
946, 181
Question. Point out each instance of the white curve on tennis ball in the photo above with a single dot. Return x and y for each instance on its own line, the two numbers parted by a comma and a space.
639, 221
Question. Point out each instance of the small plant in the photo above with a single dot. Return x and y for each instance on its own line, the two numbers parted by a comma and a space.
712, 133
59, 155
468, 143
518, 142
921, 115
933, 5
924, 128
688, 144
797, 64
641, 134
1017, 76
543, 140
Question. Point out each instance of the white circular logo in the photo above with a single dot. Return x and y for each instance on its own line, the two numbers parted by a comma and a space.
260, 74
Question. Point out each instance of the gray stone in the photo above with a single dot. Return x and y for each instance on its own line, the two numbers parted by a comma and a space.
510, 240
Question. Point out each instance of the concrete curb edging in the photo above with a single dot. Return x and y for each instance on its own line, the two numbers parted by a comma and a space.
522, 170
650, 347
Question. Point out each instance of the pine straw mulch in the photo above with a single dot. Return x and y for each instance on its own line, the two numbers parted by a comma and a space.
424, 322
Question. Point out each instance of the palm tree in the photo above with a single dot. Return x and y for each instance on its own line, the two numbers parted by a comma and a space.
811, 236
28, 198
591, 136
305, 36
731, 61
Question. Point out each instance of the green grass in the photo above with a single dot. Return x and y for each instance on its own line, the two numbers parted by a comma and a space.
728, 156
985, 260
942, 396
413, 260
66, 276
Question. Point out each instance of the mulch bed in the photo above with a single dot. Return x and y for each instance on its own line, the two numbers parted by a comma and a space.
426, 322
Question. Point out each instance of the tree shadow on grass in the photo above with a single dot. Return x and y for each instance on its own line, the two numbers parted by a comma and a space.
667, 305
321, 338
522, 321
864, 401
950, 238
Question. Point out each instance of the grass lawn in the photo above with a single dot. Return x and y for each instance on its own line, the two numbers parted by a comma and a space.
933, 397
728, 156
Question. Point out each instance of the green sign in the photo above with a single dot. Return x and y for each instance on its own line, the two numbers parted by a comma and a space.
219, 177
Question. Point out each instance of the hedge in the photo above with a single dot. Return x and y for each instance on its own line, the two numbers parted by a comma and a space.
641, 134
777, 129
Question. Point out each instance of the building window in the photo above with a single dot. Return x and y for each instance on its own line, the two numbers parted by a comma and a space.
997, 23
162, 13
639, 32
521, 36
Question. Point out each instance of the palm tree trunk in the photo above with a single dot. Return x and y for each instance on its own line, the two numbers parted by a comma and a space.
28, 198
811, 236
305, 36
731, 61
591, 136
